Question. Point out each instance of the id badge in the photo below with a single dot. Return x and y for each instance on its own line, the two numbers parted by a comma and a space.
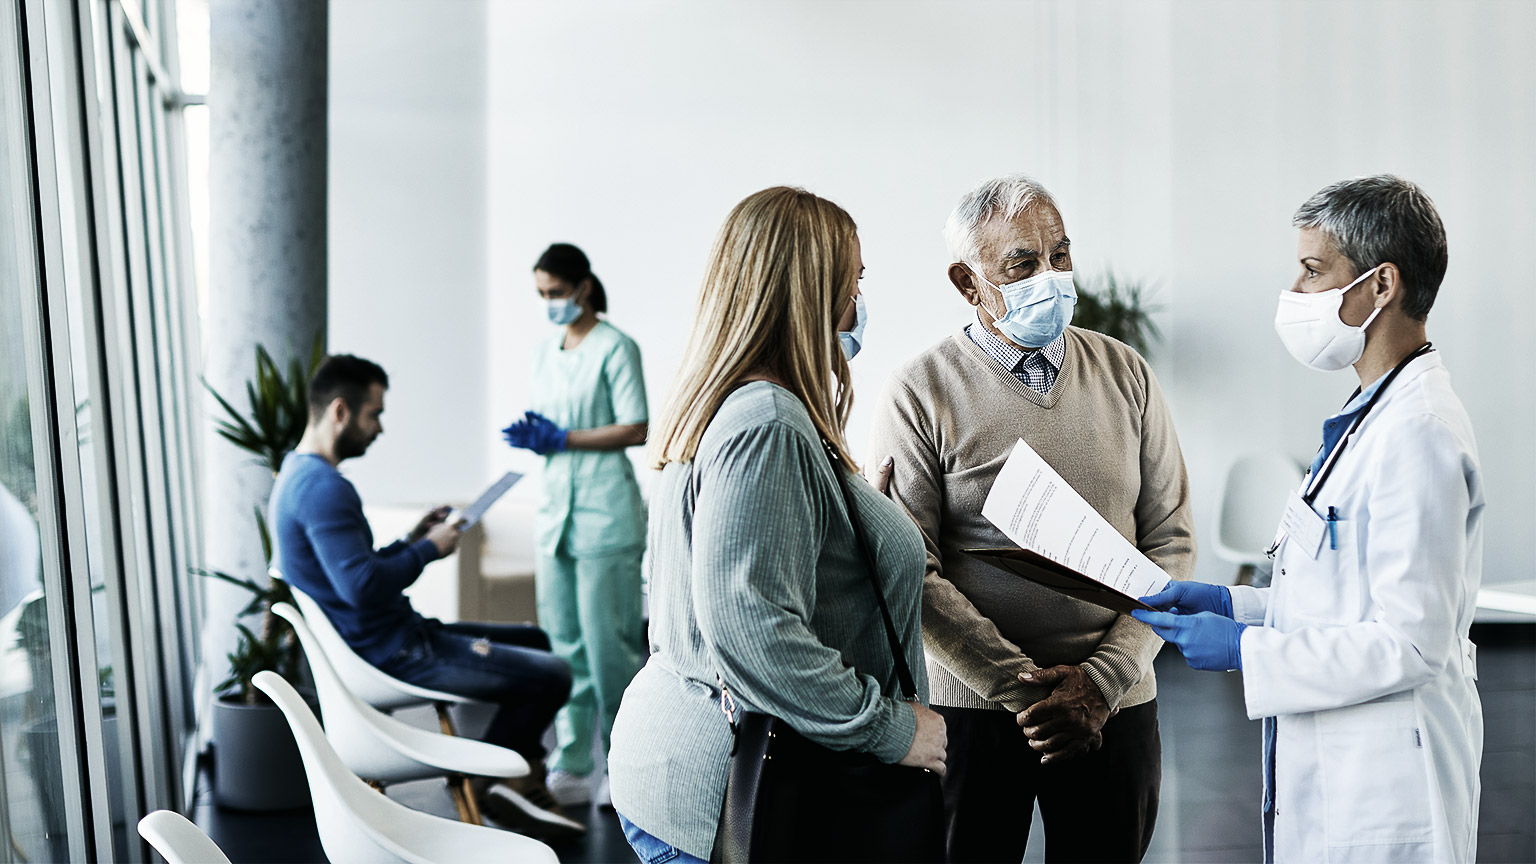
1303, 526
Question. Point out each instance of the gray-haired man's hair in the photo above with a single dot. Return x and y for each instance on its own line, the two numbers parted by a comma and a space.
1379, 219
1004, 197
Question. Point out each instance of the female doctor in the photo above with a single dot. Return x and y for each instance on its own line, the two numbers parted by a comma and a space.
588, 400
1357, 656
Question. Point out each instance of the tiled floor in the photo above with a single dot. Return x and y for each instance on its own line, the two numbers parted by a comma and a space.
1209, 810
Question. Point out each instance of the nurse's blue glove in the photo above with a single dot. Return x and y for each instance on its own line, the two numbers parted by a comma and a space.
537, 433
518, 435
1187, 598
1208, 641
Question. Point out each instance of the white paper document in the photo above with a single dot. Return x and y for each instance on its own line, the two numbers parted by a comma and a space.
1038, 510
473, 512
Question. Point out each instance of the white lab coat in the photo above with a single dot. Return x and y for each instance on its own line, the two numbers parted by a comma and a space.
1363, 660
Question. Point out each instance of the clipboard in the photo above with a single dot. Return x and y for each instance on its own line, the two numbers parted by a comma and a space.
1058, 577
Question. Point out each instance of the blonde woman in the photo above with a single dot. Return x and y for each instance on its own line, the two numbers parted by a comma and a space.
756, 572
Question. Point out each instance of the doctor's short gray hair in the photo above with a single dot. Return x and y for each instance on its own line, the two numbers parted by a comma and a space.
1379, 219
1004, 197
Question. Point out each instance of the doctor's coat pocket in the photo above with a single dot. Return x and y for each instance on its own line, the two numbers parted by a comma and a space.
1330, 589
1375, 780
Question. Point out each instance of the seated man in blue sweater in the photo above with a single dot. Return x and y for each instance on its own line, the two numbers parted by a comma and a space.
325, 549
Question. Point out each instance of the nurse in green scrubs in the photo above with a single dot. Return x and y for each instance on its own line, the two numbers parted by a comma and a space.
588, 405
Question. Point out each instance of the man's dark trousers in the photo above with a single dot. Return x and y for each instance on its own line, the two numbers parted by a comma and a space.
1098, 806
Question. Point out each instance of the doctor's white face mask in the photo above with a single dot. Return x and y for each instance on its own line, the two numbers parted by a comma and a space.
1312, 331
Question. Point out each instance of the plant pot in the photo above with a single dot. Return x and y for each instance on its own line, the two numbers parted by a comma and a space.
256, 764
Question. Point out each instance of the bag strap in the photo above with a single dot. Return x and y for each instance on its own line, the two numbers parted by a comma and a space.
903, 671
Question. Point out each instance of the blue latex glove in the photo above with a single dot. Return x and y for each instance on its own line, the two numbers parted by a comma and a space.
1187, 598
1208, 641
537, 433
518, 435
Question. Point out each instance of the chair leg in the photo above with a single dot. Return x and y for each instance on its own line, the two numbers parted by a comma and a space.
468, 791
458, 785
464, 800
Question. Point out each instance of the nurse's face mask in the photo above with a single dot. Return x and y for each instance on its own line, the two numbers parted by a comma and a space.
1310, 327
564, 310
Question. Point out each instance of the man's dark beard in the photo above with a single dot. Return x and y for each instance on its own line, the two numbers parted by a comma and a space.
351, 443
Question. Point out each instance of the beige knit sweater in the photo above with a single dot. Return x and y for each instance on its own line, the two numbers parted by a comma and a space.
950, 417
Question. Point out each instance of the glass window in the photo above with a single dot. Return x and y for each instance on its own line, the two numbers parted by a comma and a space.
92, 433
31, 777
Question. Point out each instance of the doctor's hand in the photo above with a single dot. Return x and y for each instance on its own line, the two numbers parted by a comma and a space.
1208, 641
1187, 598
1070, 720
537, 433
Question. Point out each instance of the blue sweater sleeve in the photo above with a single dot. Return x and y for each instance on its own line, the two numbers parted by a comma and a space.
361, 576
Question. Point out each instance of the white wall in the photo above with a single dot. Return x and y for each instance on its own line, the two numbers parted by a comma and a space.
1271, 102
1179, 137
407, 235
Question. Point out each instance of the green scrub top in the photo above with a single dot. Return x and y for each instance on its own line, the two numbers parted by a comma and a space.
591, 500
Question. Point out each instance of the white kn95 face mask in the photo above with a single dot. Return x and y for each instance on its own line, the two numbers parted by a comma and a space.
1312, 331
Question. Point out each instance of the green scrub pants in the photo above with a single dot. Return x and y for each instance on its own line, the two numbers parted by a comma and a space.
590, 607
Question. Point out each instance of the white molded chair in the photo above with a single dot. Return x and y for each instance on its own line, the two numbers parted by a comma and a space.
179, 841
376, 746
365, 680
1251, 503
358, 825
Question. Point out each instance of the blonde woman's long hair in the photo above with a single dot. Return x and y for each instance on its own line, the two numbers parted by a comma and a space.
783, 267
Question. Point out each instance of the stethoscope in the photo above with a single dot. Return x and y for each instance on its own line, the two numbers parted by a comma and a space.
1325, 470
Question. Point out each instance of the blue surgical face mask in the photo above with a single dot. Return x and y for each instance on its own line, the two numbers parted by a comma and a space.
1038, 308
853, 340
563, 311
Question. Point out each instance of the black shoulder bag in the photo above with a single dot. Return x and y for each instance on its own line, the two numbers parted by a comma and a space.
789, 799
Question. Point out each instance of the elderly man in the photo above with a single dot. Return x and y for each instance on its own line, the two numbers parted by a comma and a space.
1358, 657
1045, 697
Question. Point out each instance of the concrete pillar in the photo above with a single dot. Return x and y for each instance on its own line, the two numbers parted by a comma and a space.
267, 253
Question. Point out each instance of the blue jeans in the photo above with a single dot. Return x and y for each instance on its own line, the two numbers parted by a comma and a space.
653, 851
508, 664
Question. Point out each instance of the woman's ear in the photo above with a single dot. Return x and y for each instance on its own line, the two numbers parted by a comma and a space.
1389, 285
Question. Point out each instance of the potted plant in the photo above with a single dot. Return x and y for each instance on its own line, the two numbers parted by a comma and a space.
279, 408
1118, 309
256, 764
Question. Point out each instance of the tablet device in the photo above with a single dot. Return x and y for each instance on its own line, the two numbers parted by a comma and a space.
472, 514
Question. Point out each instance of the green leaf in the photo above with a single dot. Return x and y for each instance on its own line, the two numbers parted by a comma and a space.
1118, 309
316, 354
266, 535
236, 419
247, 584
